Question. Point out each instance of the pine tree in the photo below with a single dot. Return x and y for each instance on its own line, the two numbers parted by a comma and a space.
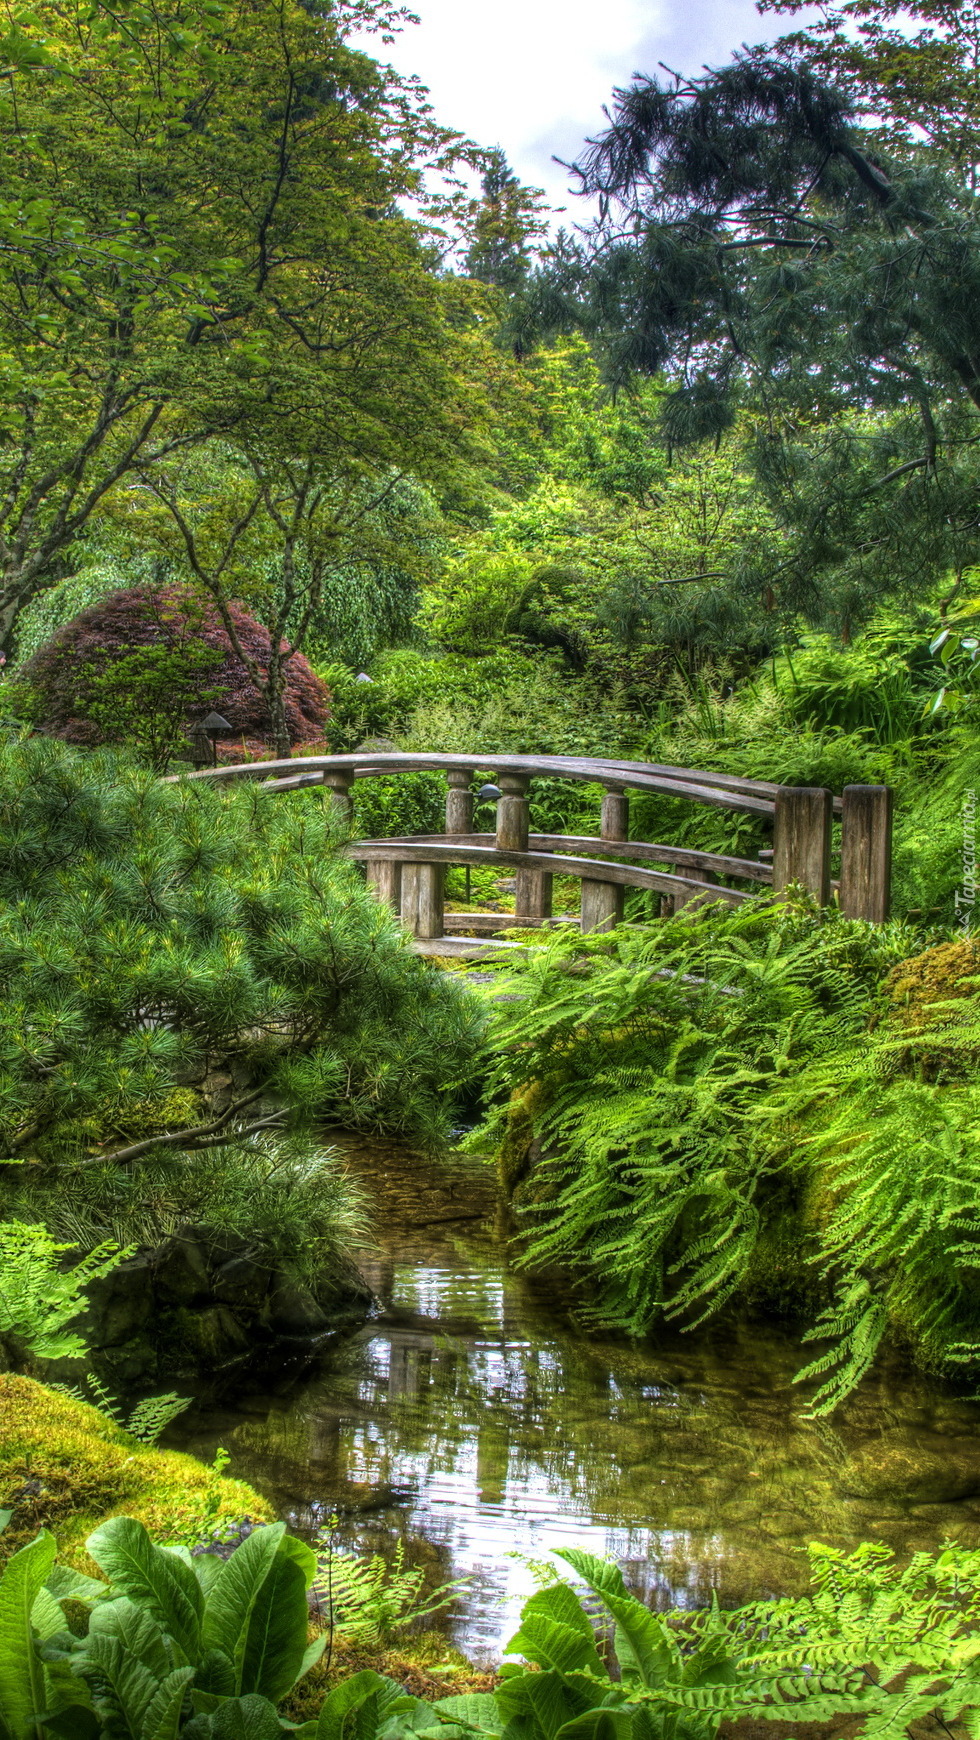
506, 223
755, 248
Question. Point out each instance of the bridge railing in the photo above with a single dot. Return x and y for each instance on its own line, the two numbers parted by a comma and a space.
409, 871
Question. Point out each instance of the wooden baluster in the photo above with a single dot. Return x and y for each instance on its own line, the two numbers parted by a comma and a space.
602, 902
459, 802
866, 852
338, 782
533, 890
801, 839
512, 813
459, 809
689, 896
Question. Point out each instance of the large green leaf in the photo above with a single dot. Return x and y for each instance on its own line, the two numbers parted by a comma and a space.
602, 1575
207, 1570
68, 1585
552, 1644
126, 1661
302, 1555
476, 1710
343, 1712
47, 1618
598, 1725
645, 1647
547, 1700
215, 1674
161, 1720
21, 1672
234, 1591
559, 1602
145, 1573
248, 1718
269, 1651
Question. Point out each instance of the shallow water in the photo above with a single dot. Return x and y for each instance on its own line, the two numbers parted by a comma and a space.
468, 1419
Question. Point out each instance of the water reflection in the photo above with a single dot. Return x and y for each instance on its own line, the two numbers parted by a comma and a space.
469, 1420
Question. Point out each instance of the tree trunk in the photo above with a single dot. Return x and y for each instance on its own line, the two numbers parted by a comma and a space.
276, 701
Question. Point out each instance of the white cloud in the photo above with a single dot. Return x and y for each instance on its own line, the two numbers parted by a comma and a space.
528, 75
532, 75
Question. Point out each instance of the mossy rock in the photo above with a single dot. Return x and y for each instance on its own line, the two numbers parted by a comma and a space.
938, 976
66, 1467
934, 1000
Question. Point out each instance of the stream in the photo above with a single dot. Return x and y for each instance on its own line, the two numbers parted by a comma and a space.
468, 1419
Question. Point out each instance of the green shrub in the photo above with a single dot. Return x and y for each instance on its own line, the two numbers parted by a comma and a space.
146, 929
206, 1648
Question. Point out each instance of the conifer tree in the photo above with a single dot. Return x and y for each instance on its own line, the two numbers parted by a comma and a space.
507, 222
754, 247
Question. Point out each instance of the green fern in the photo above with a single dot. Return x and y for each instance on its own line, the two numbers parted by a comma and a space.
700, 1092
147, 1420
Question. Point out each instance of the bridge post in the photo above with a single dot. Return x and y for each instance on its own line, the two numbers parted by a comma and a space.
801, 839
423, 887
602, 902
338, 782
459, 802
384, 877
866, 852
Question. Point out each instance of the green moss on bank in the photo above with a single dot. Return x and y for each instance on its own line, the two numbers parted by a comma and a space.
64, 1466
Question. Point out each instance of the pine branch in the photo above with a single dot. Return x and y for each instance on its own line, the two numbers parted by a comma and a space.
198, 1135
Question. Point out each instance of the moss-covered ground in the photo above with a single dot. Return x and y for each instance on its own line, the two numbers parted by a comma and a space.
66, 1467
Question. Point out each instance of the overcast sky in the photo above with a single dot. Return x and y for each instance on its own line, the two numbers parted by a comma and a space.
532, 75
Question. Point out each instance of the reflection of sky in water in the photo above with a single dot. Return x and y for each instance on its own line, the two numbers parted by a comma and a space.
463, 1417
490, 1501
456, 1422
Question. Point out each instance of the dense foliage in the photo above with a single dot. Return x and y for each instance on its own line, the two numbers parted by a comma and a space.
153, 934
207, 1647
143, 666
767, 1104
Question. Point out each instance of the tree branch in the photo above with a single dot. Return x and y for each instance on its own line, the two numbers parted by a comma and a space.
198, 1136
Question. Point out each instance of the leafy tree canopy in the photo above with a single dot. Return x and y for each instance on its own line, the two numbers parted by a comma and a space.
201, 237
914, 70
752, 246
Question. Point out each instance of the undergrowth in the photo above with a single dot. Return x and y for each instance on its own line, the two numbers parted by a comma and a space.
741, 1103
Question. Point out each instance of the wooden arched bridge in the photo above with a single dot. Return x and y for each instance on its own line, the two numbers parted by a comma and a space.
409, 871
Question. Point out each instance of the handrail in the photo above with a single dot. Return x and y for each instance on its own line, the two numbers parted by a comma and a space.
802, 819
615, 776
618, 875
688, 856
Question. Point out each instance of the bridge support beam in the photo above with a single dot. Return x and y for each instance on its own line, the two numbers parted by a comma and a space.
384, 878
801, 839
602, 902
422, 903
866, 852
